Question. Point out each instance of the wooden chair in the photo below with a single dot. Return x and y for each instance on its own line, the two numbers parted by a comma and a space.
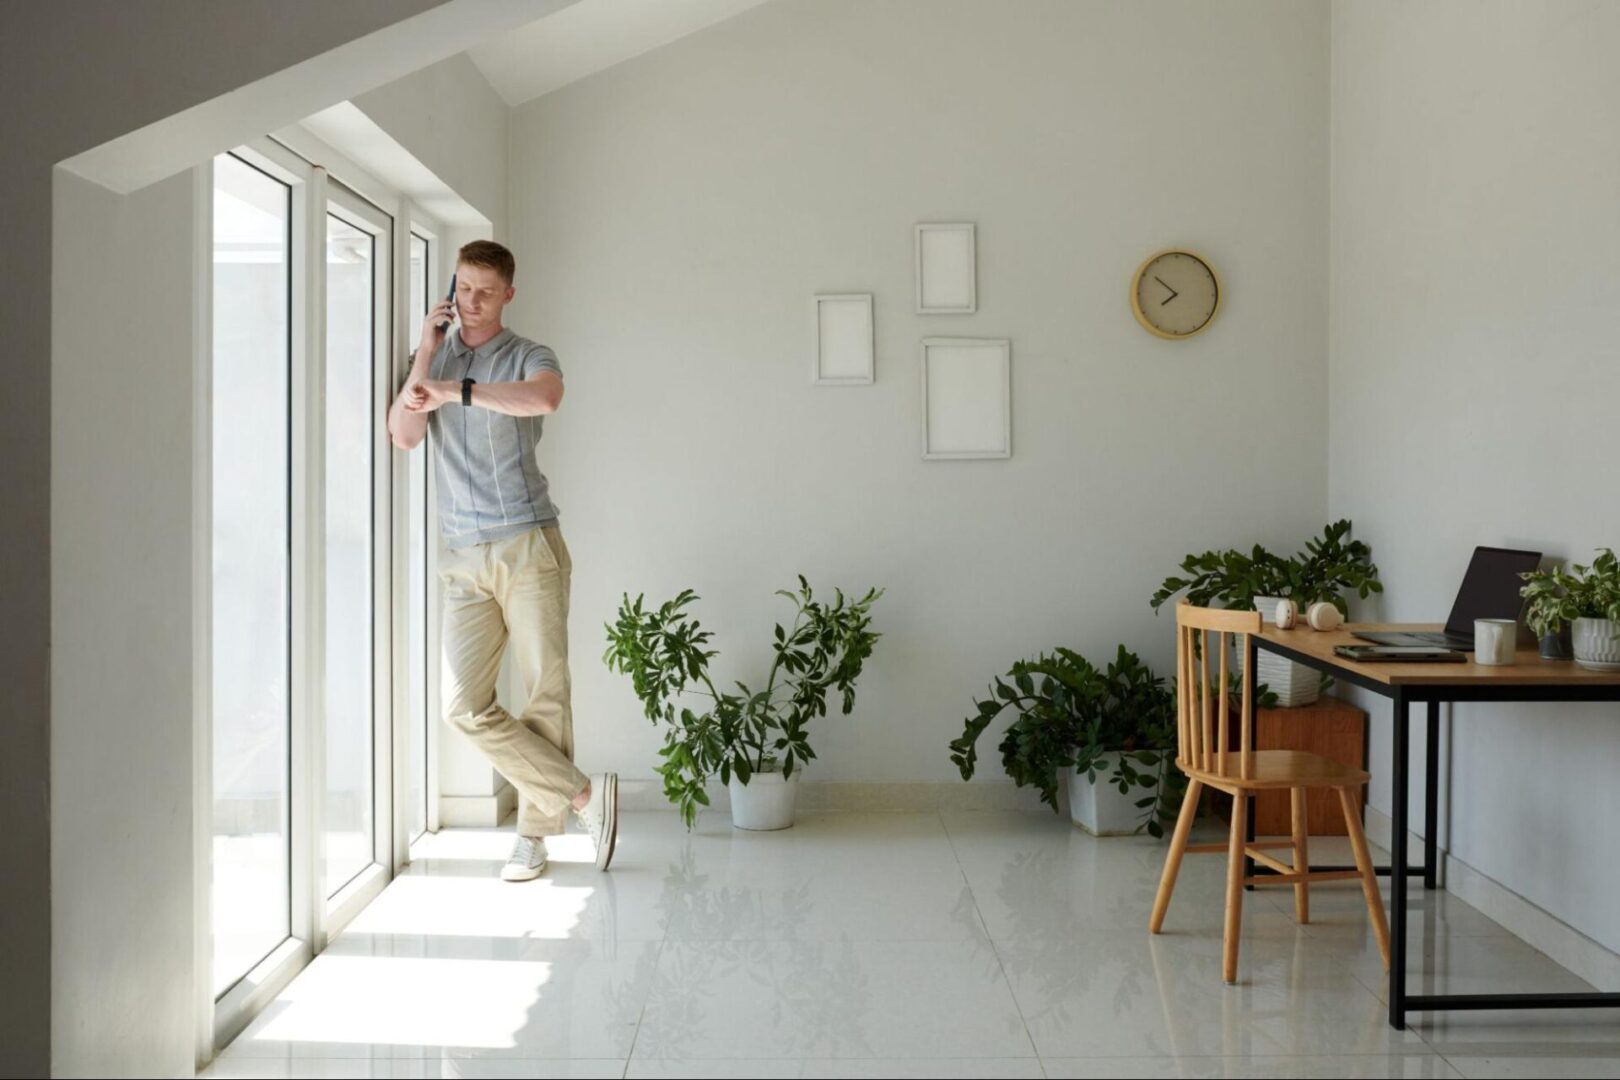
1203, 753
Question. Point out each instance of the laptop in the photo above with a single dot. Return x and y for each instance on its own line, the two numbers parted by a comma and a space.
1490, 590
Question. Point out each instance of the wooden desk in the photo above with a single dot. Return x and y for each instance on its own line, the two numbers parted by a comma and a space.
1315, 649
1530, 678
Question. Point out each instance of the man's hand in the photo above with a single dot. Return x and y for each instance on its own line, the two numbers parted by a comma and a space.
429, 394
443, 312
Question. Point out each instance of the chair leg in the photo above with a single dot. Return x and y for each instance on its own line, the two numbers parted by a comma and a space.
1234, 887
1369, 880
1302, 858
1172, 859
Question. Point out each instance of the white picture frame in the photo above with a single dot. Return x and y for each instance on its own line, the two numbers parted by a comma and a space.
843, 353
947, 273
966, 398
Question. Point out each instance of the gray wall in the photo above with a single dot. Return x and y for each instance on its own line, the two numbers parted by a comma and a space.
1475, 286
673, 216
91, 71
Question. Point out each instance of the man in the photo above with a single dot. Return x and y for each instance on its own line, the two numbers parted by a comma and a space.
483, 391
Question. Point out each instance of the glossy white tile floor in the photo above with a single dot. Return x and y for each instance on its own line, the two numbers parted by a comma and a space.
886, 944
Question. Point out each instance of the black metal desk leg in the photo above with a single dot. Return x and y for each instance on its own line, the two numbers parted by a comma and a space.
1397, 876
1250, 727
1431, 799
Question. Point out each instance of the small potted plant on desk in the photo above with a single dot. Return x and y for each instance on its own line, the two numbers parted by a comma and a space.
1330, 566
755, 740
1585, 597
1112, 731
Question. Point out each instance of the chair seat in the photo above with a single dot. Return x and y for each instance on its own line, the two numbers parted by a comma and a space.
1276, 769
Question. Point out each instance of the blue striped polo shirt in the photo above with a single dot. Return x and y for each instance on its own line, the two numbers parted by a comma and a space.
490, 483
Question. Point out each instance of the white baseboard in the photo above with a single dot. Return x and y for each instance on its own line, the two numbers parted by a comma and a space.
1535, 925
477, 811
869, 796
1379, 832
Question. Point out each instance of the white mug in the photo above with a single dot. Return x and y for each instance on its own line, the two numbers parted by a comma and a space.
1495, 641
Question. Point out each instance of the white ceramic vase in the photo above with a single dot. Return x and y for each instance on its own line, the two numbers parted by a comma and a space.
1098, 806
1294, 684
766, 802
1595, 644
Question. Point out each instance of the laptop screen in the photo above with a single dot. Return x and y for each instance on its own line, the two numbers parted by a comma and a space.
1490, 589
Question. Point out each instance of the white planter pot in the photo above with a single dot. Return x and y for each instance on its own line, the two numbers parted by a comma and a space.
766, 802
1294, 684
1098, 807
1595, 645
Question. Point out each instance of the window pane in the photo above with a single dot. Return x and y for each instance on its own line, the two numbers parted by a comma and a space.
350, 364
416, 581
251, 567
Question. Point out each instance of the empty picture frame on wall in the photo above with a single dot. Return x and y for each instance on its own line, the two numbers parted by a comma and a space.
843, 352
967, 398
946, 274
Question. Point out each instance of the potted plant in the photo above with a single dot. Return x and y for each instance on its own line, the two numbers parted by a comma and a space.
755, 740
1588, 598
1112, 731
1330, 566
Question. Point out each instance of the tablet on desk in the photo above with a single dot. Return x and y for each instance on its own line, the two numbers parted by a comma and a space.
1415, 654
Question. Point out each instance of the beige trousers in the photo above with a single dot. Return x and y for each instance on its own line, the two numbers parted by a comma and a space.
514, 591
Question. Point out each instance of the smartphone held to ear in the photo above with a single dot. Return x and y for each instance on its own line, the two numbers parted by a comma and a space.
451, 297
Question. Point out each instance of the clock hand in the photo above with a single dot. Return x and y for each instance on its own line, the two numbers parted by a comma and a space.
1173, 293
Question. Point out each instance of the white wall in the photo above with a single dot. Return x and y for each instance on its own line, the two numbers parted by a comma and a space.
1475, 285
673, 216
122, 869
451, 120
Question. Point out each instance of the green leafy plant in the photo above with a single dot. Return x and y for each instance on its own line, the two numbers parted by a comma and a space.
1330, 566
745, 731
1555, 596
1068, 714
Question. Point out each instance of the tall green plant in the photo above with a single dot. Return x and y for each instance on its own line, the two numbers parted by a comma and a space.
746, 731
1068, 714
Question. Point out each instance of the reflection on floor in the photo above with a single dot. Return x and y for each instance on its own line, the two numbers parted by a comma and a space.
898, 944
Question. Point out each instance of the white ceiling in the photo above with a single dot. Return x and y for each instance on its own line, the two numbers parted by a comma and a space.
586, 37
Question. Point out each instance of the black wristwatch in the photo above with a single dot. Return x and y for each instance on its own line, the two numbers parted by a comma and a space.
466, 391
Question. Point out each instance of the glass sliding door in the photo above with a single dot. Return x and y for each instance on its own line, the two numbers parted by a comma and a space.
349, 824
416, 582
356, 807
252, 568
309, 588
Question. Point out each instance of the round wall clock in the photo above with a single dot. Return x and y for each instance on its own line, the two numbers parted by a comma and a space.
1175, 294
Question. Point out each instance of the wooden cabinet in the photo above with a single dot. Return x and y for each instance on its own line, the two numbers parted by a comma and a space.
1332, 728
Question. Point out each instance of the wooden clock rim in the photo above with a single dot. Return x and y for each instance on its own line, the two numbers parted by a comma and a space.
1136, 289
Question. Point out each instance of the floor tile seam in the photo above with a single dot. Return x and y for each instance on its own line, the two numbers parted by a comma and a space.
967, 883
1424, 1051
641, 1014
1031, 1056
1001, 966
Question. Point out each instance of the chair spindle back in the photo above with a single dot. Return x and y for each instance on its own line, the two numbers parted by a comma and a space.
1203, 725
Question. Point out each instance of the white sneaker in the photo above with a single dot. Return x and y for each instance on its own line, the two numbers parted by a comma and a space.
528, 858
600, 817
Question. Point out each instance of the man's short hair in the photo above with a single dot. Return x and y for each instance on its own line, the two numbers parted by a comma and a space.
489, 254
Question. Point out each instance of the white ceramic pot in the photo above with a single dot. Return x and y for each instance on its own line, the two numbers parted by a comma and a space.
1595, 644
1294, 684
1098, 807
766, 802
